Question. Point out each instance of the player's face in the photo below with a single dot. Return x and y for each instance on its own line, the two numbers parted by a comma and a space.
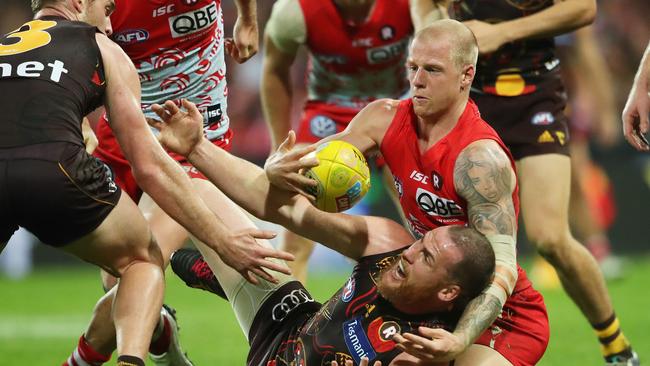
97, 13
414, 283
434, 78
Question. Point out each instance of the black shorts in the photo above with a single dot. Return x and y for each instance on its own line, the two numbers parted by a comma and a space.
280, 315
55, 190
529, 124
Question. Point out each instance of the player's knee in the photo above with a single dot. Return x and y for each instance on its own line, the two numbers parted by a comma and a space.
150, 254
154, 254
550, 244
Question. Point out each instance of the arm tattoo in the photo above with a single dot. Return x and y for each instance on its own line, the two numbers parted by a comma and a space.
483, 176
478, 315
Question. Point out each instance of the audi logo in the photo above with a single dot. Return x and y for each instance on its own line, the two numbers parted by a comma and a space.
290, 302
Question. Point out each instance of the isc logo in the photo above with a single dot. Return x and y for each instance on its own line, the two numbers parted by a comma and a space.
193, 21
167, 9
419, 177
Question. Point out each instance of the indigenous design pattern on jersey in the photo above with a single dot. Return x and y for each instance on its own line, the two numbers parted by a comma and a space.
178, 49
355, 323
352, 65
517, 67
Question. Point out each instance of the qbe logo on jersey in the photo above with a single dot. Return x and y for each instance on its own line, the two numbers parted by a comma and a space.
193, 21
433, 205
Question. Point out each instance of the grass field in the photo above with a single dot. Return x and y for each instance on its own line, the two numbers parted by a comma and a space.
42, 316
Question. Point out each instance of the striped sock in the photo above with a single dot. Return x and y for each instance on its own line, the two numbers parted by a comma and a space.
612, 340
85, 355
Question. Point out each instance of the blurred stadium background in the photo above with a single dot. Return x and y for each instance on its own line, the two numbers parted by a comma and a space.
44, 309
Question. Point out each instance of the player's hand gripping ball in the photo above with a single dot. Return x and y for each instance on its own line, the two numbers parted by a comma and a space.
343, 176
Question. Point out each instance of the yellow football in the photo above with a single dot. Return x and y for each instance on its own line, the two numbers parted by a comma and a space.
343, 176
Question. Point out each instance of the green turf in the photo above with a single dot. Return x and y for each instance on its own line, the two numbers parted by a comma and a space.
41, 318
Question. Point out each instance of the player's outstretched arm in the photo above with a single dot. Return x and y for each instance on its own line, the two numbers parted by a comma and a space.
365, 132
561, 17
247, 185
164, 180
637, 108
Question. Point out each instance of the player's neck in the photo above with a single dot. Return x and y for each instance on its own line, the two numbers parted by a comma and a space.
432, 129
56, 11
355, 13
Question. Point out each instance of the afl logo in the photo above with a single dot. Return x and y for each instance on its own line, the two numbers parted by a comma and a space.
542, 119
348, 290
131, 36
322, 126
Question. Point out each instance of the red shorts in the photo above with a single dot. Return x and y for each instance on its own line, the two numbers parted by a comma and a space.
320, 120
109, 151
521, 332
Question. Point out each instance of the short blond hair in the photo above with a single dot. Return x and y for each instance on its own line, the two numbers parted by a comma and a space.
464, 47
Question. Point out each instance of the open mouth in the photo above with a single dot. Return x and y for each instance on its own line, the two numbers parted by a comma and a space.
399, 269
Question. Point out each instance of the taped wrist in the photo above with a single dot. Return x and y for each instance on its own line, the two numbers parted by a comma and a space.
505, 253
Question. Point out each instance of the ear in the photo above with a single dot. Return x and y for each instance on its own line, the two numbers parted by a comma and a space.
449, 293
467, 76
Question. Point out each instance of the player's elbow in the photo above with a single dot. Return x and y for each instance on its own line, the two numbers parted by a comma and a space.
146, 175
587, 13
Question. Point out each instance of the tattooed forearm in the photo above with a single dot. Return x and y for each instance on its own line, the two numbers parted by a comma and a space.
478, 315
492, 219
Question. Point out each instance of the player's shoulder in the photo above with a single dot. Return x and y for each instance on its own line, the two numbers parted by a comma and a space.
112, 53
384, 107
286, 9
485, 149
376, 117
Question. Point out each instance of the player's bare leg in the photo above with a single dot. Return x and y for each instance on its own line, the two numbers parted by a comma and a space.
172, 236
583, 220
301, 248
244, 303
479, 355
544, 191
123, 245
